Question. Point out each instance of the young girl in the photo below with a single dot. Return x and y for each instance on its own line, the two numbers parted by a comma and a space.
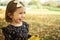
17, 28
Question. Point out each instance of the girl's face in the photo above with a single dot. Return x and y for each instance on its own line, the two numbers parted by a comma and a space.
19, 15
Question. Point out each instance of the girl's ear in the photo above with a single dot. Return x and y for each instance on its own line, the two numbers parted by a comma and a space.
9, 14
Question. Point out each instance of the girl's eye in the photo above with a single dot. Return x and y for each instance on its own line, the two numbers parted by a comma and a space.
22, 13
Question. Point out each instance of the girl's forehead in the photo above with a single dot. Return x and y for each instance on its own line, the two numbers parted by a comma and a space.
20, 9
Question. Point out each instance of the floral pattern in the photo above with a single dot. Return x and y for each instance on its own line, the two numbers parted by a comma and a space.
16, 33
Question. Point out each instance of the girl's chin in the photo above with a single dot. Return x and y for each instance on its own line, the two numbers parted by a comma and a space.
19, 22
21, 19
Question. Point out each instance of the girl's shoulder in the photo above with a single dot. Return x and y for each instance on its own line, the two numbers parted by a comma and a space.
6, 28
25, 23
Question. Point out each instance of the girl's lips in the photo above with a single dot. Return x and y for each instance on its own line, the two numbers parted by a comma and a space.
20, 19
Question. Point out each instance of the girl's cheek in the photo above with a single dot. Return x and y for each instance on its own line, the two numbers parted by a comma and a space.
23, 15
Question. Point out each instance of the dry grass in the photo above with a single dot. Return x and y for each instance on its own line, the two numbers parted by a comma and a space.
46, 26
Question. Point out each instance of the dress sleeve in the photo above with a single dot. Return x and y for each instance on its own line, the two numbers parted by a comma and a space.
27, 25
28, 31
6, 34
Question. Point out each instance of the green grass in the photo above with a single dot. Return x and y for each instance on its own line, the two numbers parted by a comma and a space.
52, 8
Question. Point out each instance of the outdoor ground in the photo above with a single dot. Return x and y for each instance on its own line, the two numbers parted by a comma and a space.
43, 22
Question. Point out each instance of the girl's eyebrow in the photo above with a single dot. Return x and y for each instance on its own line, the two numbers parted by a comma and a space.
23, 12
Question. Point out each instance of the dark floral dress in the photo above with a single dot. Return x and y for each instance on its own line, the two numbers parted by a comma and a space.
16, 33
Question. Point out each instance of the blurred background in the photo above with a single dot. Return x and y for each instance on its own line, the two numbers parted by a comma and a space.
43, 17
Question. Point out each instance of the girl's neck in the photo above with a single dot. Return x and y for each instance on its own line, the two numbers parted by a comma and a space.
16, 24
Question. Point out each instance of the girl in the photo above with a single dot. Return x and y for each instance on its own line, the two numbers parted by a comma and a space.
17, 28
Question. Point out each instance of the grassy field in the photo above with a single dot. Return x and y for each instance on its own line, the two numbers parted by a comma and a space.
43, 22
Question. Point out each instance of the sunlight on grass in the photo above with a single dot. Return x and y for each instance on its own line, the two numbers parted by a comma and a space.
46, 26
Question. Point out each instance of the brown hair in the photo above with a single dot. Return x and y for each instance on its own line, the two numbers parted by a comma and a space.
11, 8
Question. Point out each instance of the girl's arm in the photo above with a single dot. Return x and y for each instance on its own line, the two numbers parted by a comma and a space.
28, 31
27, 27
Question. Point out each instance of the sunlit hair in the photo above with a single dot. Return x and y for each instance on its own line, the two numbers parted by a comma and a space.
11, 8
